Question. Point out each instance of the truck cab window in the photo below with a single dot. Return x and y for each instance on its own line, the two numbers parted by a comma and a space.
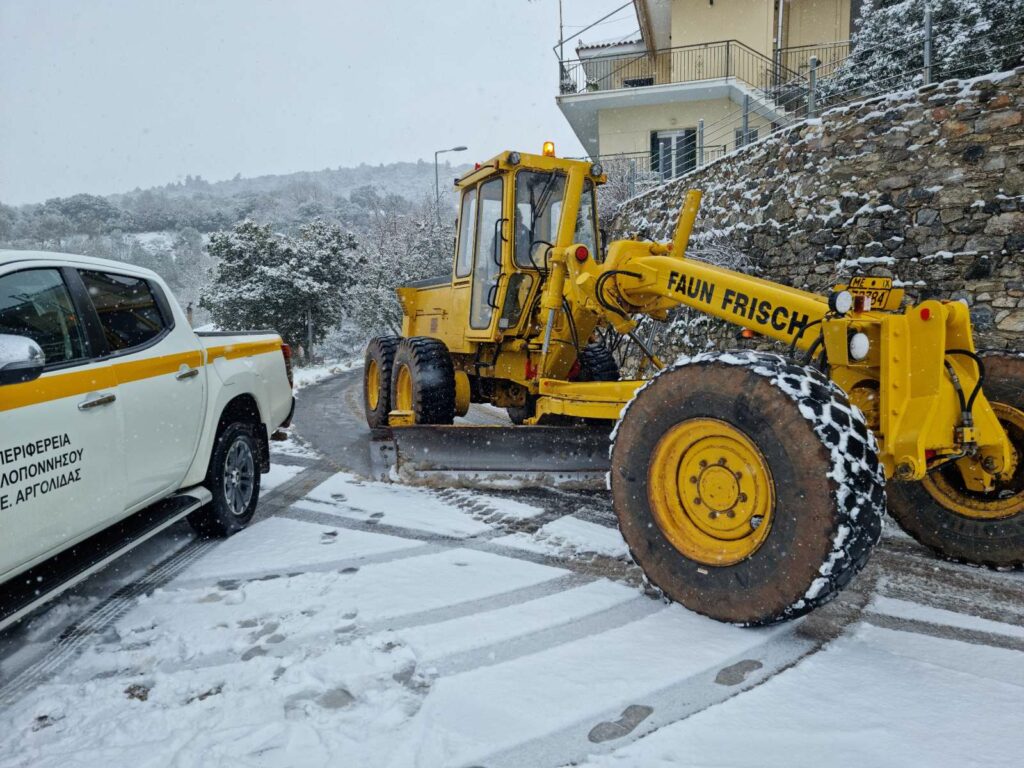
538, 210
36, 304
127, 308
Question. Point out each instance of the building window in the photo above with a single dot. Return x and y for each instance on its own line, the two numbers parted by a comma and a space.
673, 153
637, 82
751, 136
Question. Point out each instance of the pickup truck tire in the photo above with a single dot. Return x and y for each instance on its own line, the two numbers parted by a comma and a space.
423, 380
380, 356
234, 480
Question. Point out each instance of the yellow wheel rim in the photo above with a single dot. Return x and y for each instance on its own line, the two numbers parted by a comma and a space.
711, 491
403, 389
1005, 500
373, 385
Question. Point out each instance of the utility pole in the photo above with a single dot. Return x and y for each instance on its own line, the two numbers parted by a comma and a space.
561, 34
927, 43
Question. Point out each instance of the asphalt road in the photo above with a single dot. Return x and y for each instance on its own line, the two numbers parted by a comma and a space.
330, 418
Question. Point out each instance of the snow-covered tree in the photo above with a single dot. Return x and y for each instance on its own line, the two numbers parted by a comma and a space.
969, 38
397, 248
267, 280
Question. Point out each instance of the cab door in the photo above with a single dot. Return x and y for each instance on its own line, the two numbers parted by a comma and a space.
462, 269
161, 381
490, 247
61, 448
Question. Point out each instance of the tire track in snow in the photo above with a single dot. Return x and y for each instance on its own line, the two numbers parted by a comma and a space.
99, 618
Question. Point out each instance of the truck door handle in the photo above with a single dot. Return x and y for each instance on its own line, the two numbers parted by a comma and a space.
96, 401
190, 373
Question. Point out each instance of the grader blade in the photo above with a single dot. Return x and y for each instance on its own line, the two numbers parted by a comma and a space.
501, 456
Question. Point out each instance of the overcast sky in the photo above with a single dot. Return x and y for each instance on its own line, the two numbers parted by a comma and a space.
102, 96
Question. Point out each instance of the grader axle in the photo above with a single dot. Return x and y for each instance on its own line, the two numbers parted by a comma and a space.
749, 486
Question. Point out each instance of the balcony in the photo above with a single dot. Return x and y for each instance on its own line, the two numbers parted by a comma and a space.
726, 69
720, 60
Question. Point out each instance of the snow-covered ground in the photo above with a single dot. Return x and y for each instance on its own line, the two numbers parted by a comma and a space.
306, 376
379, 625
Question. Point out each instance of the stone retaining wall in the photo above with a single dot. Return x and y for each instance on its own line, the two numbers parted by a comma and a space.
924, 186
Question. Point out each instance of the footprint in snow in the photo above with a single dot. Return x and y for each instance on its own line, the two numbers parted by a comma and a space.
267, 629
631, 717
736, 673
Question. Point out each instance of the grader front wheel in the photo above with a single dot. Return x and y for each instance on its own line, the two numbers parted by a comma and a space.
747, 488
960, 524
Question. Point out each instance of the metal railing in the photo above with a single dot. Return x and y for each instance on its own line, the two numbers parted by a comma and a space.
686, 64
830, 56
630, 173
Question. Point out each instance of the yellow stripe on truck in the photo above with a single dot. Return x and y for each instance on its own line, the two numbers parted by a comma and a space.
150, 367
57, 386
233, 351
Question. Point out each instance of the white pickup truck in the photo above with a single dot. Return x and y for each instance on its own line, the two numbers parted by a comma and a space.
117, 419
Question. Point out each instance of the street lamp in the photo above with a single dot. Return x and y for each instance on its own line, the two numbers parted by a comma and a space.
437, 184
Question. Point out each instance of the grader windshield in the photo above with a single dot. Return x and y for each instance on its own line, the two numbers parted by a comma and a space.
539, 197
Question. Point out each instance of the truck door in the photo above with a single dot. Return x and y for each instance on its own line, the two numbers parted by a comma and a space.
491, 238
61, 454
161, 382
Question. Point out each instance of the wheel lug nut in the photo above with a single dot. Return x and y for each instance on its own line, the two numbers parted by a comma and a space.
712, 514
742, 497
738, 475
703, 464
697, 501
730, 514
721, 461
693, 480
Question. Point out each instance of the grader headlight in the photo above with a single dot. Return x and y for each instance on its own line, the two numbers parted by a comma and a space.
840, 302
860, 345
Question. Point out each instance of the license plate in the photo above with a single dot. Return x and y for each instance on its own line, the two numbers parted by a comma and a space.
877, 289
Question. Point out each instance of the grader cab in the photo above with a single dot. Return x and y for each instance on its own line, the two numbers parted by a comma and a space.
749, 486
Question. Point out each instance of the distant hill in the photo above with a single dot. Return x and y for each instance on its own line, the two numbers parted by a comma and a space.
409, 180
345, 195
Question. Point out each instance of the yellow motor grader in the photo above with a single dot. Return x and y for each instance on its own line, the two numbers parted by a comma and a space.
749, 486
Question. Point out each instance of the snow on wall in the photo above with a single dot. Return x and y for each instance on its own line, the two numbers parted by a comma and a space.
925, 186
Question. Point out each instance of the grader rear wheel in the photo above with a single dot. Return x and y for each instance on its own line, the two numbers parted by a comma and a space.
980, 528
377, 363
423, 380
747, 488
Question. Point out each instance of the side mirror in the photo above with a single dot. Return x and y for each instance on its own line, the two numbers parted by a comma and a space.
21, 359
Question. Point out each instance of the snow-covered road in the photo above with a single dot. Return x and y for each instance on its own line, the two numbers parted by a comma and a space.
364, 624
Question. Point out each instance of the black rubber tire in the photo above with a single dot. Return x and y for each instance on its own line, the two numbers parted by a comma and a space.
993, 543
829, 486
597, 363
216, 518
433, 379
380, 350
